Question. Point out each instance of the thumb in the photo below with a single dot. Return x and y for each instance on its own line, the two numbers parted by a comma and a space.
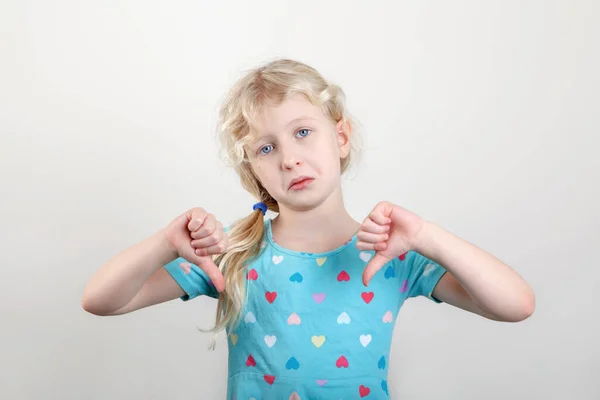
206, 264
212, 271
373, 266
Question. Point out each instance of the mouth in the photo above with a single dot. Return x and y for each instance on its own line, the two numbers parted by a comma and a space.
300, 182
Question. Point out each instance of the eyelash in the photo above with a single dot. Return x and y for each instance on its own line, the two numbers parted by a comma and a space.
260, 151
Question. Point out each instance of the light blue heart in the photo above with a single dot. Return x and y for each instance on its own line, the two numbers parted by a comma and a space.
296, 278
381, 363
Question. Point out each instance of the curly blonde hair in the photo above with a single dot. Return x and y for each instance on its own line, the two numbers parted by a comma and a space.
271, 83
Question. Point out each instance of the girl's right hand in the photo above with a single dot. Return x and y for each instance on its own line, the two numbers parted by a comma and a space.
196, 235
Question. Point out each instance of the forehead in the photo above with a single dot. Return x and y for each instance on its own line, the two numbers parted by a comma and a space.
273, 118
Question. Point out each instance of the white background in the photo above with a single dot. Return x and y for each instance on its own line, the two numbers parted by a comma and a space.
480, 116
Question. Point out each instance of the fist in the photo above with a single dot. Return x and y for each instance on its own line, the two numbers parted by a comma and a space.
207, 234
196, 236
390, 230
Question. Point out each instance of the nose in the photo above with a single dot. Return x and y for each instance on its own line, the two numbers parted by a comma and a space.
289, 159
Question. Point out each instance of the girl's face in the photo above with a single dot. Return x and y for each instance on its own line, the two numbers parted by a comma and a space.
297, 153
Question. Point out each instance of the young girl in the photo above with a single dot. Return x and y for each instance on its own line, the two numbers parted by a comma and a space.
308, 299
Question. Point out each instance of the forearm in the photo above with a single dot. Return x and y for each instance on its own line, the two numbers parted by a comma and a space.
492, 285
120, 279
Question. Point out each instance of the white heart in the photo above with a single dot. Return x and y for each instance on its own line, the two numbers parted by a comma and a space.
343, 318
270, 340
428, 269
277, 259
365, 340
365, 256
250, 317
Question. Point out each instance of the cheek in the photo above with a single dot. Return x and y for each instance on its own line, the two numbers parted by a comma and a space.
332, 158
264, 174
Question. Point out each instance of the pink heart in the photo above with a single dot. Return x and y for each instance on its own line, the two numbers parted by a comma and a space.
321, 382
294, 319
186, 267
404, 287
319, 297
387, 317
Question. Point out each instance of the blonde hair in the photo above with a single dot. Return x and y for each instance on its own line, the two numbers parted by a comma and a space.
271, 83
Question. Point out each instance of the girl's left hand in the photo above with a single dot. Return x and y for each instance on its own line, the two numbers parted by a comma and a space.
391, 231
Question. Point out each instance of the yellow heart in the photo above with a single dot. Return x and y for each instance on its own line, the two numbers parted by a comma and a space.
234, 338
318, 341
321, 261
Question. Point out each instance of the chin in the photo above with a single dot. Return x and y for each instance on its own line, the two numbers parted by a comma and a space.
304, 202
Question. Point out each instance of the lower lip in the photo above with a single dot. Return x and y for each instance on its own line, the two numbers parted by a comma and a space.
301, 185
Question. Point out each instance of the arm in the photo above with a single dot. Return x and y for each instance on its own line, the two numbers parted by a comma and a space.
133, 279
476, 281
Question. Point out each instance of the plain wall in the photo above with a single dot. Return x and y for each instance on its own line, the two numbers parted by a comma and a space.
482, 117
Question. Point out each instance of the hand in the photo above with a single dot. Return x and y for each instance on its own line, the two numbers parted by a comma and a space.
196, 235
390, 230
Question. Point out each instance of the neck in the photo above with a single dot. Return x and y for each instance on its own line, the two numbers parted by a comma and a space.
318, 229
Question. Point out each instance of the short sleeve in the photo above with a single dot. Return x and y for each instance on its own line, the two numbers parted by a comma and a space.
191, 278
419, 275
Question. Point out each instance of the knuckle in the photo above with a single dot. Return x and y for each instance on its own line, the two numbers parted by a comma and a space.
198, 211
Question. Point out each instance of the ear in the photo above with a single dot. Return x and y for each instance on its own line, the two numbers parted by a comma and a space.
343, 131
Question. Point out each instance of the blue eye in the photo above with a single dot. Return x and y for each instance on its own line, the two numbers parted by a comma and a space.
269, 146
303, 130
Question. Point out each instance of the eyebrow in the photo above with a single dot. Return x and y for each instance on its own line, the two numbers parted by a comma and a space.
300, 119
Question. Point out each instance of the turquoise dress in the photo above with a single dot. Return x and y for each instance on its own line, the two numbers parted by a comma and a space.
310, 328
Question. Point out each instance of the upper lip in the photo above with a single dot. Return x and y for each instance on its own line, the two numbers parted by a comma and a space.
298, 179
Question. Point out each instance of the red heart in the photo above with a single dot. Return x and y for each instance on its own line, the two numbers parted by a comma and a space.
269, 379
271, 296
367, 296
402, 256
341, 362
363, 391
252, 275
343, 276
250, 361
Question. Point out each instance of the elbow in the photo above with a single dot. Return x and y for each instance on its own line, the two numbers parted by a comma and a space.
90, 307
525, 309
93, 306
528, 307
